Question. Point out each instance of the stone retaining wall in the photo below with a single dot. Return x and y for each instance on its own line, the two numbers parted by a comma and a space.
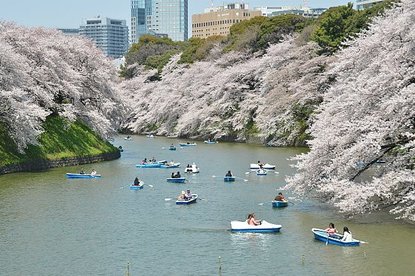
43, 164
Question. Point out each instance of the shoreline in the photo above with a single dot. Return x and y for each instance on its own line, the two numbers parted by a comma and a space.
36, 165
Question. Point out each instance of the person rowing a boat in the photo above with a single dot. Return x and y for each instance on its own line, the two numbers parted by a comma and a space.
177, 175
331, 230
228, 174
188, 195
93, 173
136, 182
279, 197
251, 220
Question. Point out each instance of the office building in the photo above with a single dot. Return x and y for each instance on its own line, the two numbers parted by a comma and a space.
73, 32
303, 11
110, 35
159, 18
140, 14
364, 4
169, 17
218, 20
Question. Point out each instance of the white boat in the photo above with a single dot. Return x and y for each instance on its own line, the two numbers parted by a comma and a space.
192, 169
150, 136
261, 172
264, 166
264, 227
188, 144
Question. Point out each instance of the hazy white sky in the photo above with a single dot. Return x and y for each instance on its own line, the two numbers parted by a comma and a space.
70, 13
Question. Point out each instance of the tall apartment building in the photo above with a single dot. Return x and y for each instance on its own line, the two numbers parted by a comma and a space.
160, 18
218, 20
110, 35
364, 4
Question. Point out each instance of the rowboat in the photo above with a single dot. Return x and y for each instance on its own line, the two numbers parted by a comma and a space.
264, 227
170, 165
150, 136
172, 148
210, 142
82, 175
149, 165
128, 138
192, 169
279, 204
264, 166
188, 201
261, 172
229, 179
137, 187
322, 235
187, 144
176, 180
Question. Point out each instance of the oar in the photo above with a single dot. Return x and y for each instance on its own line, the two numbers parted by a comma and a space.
168, 199
363, 242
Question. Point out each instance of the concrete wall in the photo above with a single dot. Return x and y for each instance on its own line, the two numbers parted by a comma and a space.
42, 164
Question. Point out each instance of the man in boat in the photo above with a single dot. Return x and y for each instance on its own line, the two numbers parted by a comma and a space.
177, 175
82, 172
279, 197
136, 181
188, 195
228, 174
173, 175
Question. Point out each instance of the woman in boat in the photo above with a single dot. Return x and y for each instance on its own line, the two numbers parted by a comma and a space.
93, 173
228, 174
331, 230
181, 196
136, 181
347, 235
251, 220
279, 197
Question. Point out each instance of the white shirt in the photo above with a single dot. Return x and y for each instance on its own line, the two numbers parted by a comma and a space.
347, 237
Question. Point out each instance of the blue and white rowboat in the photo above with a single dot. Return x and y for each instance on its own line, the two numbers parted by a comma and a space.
187, 202
187, 144
176, 180
210, 142
137, 187
264, 227
149, 165
80, 175
322, 235
170, 166
279, 204
229, 179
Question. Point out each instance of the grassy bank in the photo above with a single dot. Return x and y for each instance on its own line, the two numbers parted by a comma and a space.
61, 139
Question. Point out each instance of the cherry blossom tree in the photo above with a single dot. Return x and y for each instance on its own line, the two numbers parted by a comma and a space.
363, 148
45, 72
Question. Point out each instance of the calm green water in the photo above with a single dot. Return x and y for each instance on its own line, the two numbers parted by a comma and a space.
50, 225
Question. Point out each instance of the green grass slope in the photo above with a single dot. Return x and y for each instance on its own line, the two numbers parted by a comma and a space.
61, 139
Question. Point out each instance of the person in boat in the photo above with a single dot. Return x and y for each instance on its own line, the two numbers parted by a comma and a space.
251, 220
279, 197
347, 235
82, 172
188, 195
228, 174
120, 148
331, 230
136, 181
188, 166
145, 160
173, 175
93, 172
181, 196
177, 175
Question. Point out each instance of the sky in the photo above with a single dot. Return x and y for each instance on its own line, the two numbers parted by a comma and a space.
71, 13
